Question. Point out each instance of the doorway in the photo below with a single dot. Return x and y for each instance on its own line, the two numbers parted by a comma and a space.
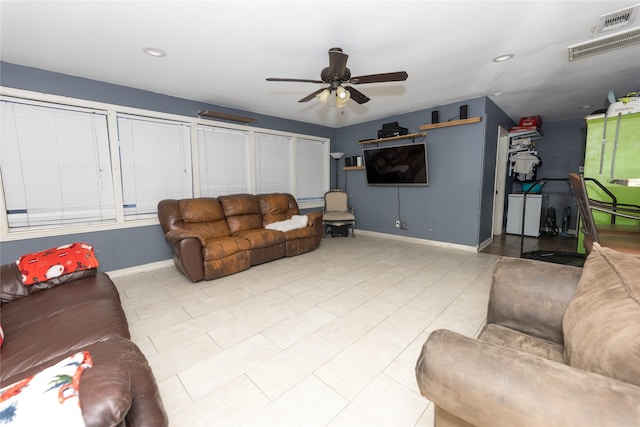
500, 181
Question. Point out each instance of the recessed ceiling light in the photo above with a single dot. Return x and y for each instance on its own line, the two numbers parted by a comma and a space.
154, 52
497, 94
504, 57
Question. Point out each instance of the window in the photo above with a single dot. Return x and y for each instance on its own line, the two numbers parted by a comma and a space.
223, 161
156, 163
70, 166
273, 164
312, 170
56, 167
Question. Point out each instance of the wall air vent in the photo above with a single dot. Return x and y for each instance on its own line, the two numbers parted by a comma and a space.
604, 44
617, 20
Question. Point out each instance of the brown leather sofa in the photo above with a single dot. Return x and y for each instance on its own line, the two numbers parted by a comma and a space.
214, 237
47, 322
561, 347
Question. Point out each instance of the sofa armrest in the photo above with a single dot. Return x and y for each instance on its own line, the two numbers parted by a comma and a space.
175, 236
531, 296
120, 389
484, 384
314, 218
105, 395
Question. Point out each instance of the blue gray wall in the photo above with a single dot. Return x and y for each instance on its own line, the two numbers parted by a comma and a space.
456, 207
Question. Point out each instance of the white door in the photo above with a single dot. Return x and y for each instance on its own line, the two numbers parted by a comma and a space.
500, 180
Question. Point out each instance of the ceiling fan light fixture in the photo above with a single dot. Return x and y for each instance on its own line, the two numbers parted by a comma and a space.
342, 97
323, 96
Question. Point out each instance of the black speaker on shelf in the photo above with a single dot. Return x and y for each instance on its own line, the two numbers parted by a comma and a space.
347, 162
435, 116
464, 111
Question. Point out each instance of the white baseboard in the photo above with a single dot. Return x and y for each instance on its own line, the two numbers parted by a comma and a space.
140, 268
169, 262
484, 244
417, 240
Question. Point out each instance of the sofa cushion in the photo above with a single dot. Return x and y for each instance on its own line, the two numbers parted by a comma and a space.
242, 212
12, 288
276, 207
262, 238
59, 321
205, 217
600, 324
510, 338
216, 249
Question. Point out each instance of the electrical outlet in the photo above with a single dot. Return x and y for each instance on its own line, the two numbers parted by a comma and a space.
397, 224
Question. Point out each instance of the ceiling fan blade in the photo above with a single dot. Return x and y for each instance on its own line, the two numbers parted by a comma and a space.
357, 96
311, 95
337, 62
397, 76
277, 79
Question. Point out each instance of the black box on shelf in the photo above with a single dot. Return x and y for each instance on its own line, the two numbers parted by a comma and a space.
390, 125
389, 132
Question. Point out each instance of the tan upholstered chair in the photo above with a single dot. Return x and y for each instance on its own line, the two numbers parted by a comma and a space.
337, 210
561, 347
621, 237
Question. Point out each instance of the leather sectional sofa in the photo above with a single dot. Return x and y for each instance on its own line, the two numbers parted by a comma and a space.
46, 322
215, 237
561, 347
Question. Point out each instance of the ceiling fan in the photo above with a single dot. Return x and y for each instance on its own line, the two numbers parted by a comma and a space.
337, 74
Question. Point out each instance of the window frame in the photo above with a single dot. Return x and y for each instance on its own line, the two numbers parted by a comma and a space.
112, 111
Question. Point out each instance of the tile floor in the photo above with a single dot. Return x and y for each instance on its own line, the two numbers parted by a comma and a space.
328, 338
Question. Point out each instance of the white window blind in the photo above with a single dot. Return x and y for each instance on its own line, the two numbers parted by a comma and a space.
223, 161
155, 156
312, 160
55, 165
273, 164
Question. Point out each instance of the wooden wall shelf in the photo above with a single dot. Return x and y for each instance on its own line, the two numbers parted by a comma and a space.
393, 138
224, 116
451, 123
353, 168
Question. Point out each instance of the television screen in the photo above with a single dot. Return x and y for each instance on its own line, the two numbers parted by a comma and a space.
397, 165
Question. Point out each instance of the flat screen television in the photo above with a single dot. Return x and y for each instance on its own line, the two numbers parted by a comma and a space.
397, 165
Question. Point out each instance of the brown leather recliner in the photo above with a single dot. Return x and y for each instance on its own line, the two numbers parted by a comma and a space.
282, 206
244, 218
47, 322
214, 237
200, 240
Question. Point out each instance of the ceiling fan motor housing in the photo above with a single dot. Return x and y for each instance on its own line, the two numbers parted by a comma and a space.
327, 76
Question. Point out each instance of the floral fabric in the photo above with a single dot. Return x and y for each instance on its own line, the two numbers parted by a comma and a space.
49, 398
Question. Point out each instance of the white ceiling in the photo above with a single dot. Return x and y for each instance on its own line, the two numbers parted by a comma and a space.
221, 52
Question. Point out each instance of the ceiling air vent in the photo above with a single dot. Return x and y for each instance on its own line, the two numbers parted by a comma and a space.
604, 44
616, 20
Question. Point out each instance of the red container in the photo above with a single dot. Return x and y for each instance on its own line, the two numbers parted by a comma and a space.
533, 121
